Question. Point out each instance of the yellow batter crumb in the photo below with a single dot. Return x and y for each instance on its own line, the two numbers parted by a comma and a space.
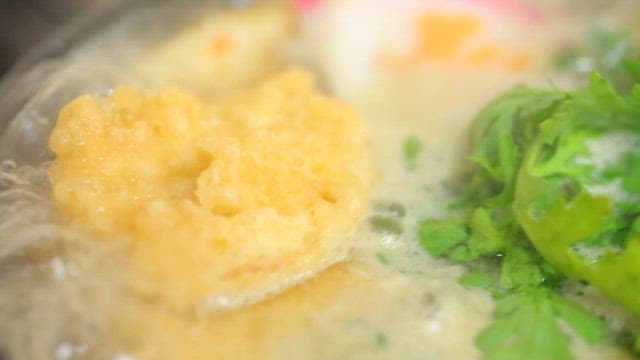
225, 204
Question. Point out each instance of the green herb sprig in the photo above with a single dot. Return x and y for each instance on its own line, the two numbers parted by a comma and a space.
530, 215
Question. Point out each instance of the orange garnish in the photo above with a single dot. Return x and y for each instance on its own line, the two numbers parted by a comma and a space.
451, 37
221, 45
441, 35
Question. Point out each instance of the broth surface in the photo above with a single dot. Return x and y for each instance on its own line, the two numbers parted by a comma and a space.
66, 293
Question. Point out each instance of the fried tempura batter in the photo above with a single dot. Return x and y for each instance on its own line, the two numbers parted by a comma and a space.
223, 205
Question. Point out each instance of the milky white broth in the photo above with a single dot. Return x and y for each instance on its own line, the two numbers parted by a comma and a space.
62, 292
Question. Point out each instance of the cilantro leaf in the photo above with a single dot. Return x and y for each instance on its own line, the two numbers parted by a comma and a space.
519, 268
528, 326
525, 328
502, 132
479, 279
590, 328
412, 147
441, 237
528, 214
576, 217
486, 237
631, 177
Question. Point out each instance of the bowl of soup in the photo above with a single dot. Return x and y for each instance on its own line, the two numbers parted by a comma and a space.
330, 179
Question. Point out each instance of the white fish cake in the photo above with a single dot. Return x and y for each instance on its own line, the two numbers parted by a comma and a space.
228, 50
